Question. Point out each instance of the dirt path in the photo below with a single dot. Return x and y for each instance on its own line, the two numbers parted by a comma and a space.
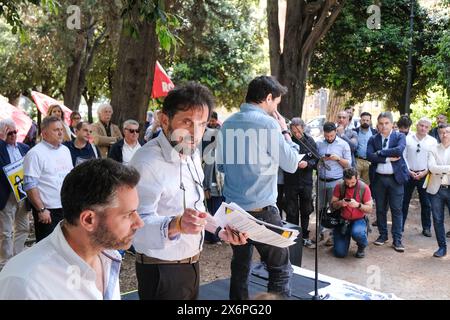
414, 274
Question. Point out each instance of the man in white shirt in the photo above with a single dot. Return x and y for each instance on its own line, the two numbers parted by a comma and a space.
416, 156
439, 186
45, 167
169, 245
78, 261
123, 150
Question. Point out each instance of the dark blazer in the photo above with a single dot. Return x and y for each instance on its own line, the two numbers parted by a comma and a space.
5, 188
115, 152
376, 155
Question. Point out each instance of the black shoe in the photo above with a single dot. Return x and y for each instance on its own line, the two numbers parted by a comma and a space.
380, 241
441, 252
375, 223
398, 246
426, 233
447, 234
360, 252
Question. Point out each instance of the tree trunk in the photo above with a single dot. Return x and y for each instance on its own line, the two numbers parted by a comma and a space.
306, 24
82, 60
134, 74
336, 103
89, 101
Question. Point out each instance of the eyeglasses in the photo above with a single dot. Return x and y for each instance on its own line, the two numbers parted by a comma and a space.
418, 148
76, 118
12, 132
132, 130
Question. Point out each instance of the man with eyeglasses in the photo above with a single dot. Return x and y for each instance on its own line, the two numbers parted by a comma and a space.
416, 153
14, 221
344, 132
78, 260
441, 119
171, 199
123, 150
81, 149
388, 174
439, 186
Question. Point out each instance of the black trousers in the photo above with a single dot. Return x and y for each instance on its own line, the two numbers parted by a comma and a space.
42, 230
299, 199
168, 281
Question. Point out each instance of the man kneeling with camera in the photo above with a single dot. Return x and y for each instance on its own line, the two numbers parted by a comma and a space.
353, 198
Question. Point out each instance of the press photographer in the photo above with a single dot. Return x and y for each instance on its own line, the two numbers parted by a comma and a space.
353, 198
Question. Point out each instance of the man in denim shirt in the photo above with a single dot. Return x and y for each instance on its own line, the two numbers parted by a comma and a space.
253, 144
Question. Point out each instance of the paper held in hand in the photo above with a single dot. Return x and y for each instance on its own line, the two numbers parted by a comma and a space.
237, 218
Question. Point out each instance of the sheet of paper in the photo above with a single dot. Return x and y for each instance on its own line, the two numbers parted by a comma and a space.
238, 219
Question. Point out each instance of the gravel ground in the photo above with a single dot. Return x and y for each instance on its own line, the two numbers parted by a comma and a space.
414, 274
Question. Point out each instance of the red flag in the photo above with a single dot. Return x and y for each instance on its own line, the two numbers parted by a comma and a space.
22, 120
161, 82
43, 102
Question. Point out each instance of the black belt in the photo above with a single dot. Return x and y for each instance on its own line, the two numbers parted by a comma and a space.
143, 259
445, 186
262, 209
416, 171
358, 157
385, 174
329, 180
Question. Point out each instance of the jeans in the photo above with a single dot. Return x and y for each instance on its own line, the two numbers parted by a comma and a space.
299, 199
213, 204
425, 205
438, 202
276, 259
356, 230
387, 191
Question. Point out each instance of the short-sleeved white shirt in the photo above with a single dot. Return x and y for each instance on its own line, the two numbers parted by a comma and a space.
49, 165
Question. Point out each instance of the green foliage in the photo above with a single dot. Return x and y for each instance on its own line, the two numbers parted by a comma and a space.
435, 102
222, 47
372, 63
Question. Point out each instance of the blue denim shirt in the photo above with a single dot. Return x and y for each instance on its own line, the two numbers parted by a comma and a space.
363, 138
250, 150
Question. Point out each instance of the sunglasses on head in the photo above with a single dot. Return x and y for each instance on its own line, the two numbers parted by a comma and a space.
132, 130
12, 132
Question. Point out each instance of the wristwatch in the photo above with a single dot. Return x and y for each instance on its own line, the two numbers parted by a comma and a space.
286, 131
360, 205
42, 210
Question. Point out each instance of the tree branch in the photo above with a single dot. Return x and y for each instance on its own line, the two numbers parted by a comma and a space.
274, 36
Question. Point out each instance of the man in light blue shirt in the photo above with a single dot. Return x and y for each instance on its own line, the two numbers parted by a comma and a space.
364, 132
337, 156
253, 144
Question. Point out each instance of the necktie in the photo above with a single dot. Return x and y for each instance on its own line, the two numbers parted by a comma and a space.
385, 143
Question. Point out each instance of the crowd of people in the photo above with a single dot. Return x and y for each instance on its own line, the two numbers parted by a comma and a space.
97, 188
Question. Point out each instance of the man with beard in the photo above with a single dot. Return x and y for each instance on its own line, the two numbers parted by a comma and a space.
364, 132
76, 261
168, 246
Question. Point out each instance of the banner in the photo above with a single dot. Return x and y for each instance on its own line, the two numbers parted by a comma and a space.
161, 82
43, 102
14, 173
21, 119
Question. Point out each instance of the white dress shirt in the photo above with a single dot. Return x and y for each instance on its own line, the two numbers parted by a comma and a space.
416, 151
129, 151
51, 270
161, 198
385, 168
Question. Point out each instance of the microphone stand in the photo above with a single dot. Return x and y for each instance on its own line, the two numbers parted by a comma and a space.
320, 164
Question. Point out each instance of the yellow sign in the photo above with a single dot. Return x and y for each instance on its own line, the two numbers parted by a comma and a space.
14, 173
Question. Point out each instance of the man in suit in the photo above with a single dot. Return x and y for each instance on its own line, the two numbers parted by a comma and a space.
14, 223
105, 132
439, 186
123, 150
388, 173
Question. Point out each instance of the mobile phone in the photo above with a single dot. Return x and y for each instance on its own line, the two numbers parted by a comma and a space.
327, 155
347, 199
